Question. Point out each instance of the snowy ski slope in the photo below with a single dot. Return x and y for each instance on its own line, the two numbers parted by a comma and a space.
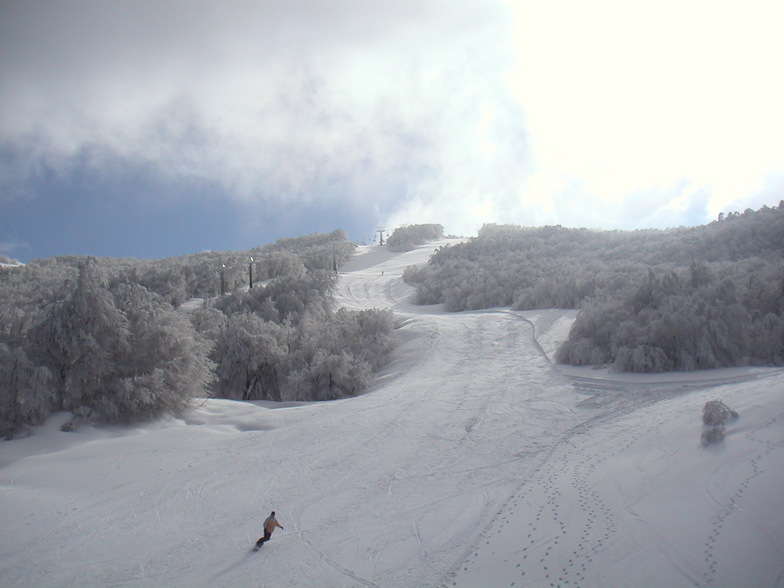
473, 462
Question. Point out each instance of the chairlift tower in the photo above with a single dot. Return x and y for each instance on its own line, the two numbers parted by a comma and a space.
381, 231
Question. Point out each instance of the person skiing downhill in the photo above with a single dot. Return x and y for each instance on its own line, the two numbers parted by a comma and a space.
269, 526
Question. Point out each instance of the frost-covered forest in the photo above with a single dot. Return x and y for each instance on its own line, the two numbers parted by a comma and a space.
108, 340
650, 300
495, 468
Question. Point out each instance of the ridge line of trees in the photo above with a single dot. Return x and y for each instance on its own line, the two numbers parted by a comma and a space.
102, 338
650, 300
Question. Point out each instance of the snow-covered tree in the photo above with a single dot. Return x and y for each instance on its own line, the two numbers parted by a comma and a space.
118, 356
167, 365
251, 358
25, 391
100, 337
409, 237
79, 339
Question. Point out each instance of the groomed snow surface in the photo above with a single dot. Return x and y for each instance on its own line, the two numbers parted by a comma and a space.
473, 462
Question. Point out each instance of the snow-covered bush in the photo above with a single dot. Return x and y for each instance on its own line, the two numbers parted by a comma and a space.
111, 355
318, 251
251, 358
335, 356
285, 297
100, 337
715, 415
284, 340
679, 299
669, 323
409, 237
168, 364
314, 353
210, 273
80, 339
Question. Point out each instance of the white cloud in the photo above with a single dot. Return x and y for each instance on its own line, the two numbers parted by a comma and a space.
628, 97
564, 112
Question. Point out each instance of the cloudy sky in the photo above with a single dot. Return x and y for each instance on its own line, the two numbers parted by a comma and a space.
150, 128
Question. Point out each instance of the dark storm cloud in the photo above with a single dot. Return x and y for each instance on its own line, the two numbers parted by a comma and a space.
271, 99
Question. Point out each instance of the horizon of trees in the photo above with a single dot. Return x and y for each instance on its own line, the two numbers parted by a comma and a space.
103, 339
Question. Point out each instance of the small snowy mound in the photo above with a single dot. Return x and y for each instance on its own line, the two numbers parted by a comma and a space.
230, 414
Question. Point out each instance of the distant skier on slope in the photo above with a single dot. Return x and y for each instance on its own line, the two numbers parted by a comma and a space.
269, 526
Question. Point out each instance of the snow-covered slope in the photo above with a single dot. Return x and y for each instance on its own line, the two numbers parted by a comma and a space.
473, 462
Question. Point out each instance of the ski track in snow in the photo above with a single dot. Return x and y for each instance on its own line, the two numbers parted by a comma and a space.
473, 462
